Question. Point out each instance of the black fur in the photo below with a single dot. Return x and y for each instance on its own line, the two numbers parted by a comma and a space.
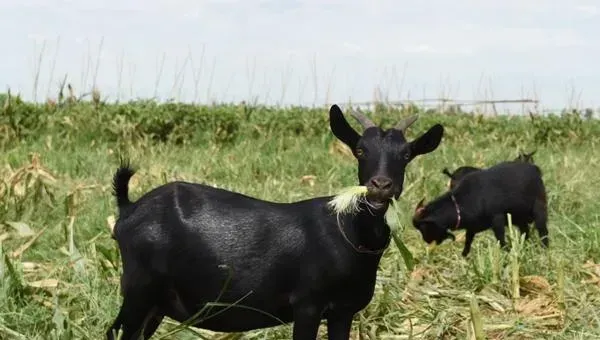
184, 245
459, 173
484, 198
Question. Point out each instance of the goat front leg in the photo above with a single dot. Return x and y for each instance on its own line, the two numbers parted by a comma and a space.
468, 241
540, 213
138, 317
307, 318
339, 324
498, 224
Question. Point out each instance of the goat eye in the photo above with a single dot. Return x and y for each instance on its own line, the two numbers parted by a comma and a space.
360, 152
407, 156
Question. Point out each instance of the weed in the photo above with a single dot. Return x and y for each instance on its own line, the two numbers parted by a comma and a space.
60, 267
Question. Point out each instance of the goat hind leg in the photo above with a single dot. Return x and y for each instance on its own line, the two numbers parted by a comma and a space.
111, 334
139, 315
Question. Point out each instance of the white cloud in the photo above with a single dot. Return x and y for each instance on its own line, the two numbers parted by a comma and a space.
514, 41
352, 47
587, 10
428, 49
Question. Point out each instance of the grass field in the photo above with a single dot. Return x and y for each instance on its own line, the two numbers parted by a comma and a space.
60, 273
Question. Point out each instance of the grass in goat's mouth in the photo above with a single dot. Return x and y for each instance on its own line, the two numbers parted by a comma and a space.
347, 199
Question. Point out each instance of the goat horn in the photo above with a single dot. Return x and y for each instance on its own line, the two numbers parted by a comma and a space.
405, 123
362, 119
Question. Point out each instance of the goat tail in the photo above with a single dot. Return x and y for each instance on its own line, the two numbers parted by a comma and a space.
447, 173
121, 183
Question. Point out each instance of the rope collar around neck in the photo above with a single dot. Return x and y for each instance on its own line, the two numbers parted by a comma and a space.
360, 248
457, 212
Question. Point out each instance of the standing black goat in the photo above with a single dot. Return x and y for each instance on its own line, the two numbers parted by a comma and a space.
460, 172
483, 199
184, 245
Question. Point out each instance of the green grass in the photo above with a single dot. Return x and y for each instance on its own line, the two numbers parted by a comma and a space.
65, 284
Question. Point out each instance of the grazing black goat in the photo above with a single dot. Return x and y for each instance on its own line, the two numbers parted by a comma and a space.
483, 199
186, 245
460, 172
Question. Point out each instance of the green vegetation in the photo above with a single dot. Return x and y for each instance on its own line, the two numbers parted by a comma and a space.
60, 269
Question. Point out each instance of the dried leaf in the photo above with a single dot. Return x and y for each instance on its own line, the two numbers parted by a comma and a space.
593, 270
460, 237
111, 221
340, 148
28, 244
22, 228
535, 284
4, 236
536, 306
48, 283
309, 179
43, 301
414, 325
44, 174
417, 276
494, 299
30, 266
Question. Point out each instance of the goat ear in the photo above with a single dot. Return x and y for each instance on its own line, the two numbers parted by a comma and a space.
341, 128
446, 172
427, 142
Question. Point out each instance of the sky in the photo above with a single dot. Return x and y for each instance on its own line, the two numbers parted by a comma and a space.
295, 52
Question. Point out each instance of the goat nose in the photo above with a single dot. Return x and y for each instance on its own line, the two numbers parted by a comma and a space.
381, 183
